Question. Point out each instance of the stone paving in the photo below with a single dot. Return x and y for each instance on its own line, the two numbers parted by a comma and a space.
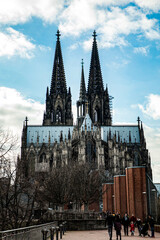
101, 235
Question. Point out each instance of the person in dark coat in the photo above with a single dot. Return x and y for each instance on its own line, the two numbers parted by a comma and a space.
110, 221
139, 225
151, 223
144, 230
117, 225
125, 222
133, 219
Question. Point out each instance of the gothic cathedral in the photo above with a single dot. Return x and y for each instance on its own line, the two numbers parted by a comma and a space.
94, 139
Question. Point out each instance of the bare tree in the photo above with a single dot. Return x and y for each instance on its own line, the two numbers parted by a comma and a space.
77, 184
17, 195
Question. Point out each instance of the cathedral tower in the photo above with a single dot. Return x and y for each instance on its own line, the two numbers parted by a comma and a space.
81, 103
58, 101
98, 98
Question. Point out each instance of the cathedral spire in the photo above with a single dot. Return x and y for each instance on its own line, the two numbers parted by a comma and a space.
58, 82
82, 95
58, 101
95, 83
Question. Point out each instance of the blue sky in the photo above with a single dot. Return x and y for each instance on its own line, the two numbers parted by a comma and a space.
129, 49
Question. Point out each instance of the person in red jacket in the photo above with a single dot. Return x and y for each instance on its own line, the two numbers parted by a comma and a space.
132, 228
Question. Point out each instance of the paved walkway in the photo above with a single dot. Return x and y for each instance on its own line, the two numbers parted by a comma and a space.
101, 235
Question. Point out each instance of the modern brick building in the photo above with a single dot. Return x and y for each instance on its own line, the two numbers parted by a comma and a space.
133, 193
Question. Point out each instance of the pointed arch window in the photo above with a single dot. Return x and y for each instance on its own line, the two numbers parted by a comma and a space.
52, 116
51, 161
42, 158
58, 115
96, 114
31, 163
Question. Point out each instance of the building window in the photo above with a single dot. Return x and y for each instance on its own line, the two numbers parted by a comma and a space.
42, 158
58, 115
51, 161
96, 114
31, 163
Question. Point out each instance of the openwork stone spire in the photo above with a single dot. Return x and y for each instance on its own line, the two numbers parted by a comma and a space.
59, 102
58, 82
82, 95
95, 83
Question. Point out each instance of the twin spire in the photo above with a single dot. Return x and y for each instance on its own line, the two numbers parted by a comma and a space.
58, 82
59, 112
95, 82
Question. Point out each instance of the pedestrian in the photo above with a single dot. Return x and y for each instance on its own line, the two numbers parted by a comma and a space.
151, 223
139, 225
125, 222
132, 228
117, 225
109, 221
145, 228
133, 219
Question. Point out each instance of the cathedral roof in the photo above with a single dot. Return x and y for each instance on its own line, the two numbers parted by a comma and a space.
44, 133
125, 133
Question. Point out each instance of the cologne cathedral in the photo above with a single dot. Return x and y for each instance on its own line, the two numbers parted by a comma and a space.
94, 139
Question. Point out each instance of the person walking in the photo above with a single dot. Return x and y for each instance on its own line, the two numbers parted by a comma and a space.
151, 223
133, 219
125, 222
139, 225
132, 228
110, 221
117, 225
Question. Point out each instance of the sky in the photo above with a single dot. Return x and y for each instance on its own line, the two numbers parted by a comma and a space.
128, 36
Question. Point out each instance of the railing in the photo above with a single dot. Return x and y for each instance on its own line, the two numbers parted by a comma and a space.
76, 216
27, 233
46, 231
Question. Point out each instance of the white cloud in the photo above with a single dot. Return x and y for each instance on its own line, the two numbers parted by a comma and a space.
13, 43
118, 63
153, 5
151, 108
20, 11
14, 108
141, 50
113, 24
74, 17
74, 46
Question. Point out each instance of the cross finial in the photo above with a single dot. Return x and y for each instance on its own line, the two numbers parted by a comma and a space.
58, 34
94, 35
138, 120
26, 120
82, 62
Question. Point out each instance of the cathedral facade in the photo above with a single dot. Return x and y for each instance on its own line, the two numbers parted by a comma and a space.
94, 139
